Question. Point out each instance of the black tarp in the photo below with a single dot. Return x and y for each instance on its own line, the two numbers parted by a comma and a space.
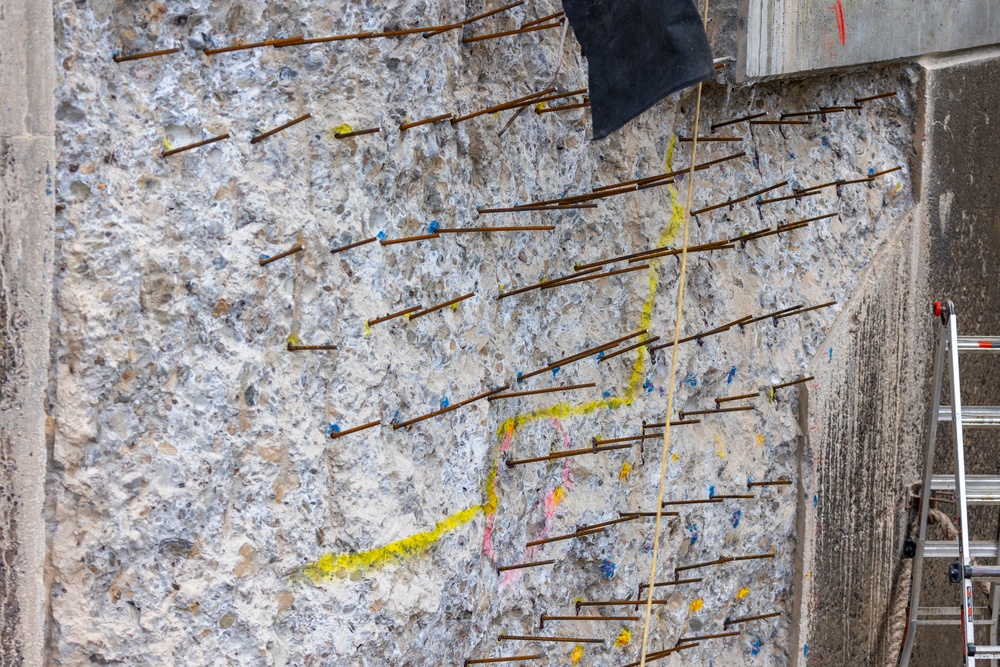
639, 52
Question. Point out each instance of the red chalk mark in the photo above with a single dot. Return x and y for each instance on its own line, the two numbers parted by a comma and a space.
838, 7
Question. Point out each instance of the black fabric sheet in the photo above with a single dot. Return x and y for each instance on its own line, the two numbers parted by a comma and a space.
639, 52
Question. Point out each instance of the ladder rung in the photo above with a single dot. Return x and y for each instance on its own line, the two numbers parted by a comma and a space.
978, 344
979, 489
952, 621
987, 652
949, 549
948, 611
973, 417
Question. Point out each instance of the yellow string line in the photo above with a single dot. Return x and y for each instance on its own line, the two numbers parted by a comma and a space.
673, 367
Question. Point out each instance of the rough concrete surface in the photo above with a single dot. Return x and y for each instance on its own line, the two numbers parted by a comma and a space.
960, 197
201, 515
26, 223
789, 36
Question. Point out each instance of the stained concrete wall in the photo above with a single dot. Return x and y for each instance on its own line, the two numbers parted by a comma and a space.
797, 36
864, 439
26, 220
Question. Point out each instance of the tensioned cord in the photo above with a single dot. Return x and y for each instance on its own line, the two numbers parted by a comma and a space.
673, 365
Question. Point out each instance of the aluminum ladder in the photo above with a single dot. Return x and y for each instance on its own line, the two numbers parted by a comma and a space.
968, 490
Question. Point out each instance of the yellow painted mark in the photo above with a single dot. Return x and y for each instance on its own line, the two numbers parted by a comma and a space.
365, 328
558, 495
624, 638
759, 438
742, 593
454, 306
625, 471
540, 106
697, 605
720, 447
343, 129
329, 565
576, 655
675, 457
293, 340
167, 144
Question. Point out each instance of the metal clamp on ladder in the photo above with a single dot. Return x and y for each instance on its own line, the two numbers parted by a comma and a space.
968, 490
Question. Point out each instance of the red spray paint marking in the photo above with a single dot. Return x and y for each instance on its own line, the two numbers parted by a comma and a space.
838, 7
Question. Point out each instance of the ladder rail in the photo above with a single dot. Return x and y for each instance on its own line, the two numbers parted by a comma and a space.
968, 629
925, 502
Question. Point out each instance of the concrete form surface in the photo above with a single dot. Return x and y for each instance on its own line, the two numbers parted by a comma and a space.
26, 241
798, 36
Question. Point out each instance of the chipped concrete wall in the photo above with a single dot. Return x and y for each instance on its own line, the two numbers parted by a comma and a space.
27, 161
200, 512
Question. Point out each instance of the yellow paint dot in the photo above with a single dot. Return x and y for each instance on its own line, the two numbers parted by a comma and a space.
743, 592
454, 306
675, 457
558, 495
625, 471
624, 638
697, 605
342, 129
293, 340
720, 447
167, 144
576, 655
366, 329
759, 437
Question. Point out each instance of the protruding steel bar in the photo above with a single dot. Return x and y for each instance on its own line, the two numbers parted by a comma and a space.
747, 619
442, 411
340, 434
141, 56
426, 121
805, 310
549, 390
522, 566
568, 536
265, 135
741, 119
197, 144
392, 316
789, 384
566, 454
479, 17
281, 255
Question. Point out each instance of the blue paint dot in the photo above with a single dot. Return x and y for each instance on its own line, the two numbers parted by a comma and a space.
831, 354
755, 646
732, 374
815, 500
333, 428
871, 171
607, 394
265, 257
825, 143
647, 547
791, 155
519, 374
711, 491
693, 529
691, 380
805, 650
555, 371
445, 402
608, 569
432, 229
737, 515
380, 236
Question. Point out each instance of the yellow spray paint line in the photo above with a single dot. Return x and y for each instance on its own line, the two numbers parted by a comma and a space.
330, 565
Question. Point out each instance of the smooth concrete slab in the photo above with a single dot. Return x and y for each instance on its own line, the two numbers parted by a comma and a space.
27, 213
792, 36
